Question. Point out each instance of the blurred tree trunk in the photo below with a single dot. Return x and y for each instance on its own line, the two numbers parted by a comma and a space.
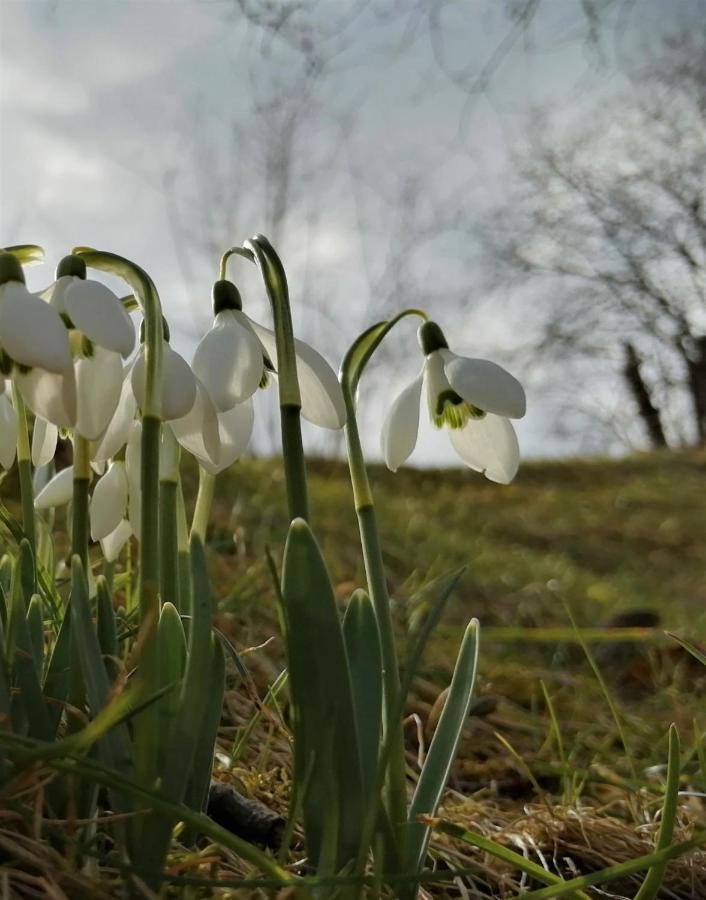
648, 412
696, 373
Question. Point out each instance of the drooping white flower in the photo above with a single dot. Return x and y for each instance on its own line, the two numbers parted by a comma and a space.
473, 398
178, 383
32, 334
215, 438
233, 359
91, 308
56, 492
109, 501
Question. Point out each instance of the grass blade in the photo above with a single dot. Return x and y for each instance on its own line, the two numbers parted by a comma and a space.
653, 880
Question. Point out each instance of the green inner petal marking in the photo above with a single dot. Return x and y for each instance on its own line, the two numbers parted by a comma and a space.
454, 411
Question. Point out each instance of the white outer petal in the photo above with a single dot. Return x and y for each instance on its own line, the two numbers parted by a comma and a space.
322, 397
31, 331
401, 426
485, 384
198, 431
178, 383
44, 437
98, 389
235, 430
51, 396
58, 491
228, 360
8, 432
96, 311
489, 445
116, 434
116, 540
109, 501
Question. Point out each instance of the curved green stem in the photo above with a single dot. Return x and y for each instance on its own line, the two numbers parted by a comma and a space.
204, 500
168, 489
259, 250
79, 505
24, 466
147, 723
352, 368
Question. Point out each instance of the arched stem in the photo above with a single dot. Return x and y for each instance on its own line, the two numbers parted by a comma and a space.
259, 250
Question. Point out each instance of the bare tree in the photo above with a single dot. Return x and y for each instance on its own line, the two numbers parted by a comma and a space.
610, 225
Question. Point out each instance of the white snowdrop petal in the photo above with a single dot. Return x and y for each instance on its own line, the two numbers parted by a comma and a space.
321, 394
54, 294
48, 395
112, 544
99, 382
56, 492
8, 432
96, 311
235, 430
109, 501
197, 431
401, 426
118, 430
178, 383
485, 384
31, 331
489, 445
44, 437
228, 360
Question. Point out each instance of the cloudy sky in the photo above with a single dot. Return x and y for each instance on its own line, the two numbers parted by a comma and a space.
358, 134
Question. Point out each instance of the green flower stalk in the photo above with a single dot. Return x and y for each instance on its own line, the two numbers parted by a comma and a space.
147, 723
259, 250
351, 370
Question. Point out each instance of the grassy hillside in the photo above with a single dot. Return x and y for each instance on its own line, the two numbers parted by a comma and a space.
603, 537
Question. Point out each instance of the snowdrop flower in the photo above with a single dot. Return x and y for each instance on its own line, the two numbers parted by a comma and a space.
108, 510
31, 333
102, 335
238, 355
179, 395
90, 307
473, 398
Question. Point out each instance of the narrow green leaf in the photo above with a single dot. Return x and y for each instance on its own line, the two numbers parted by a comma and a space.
653, 880
443, 747
360, 632
197, 790
35, 627
114, 748
321, 695
183, 738
29, 711
106, 625
172, 661
58, 678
